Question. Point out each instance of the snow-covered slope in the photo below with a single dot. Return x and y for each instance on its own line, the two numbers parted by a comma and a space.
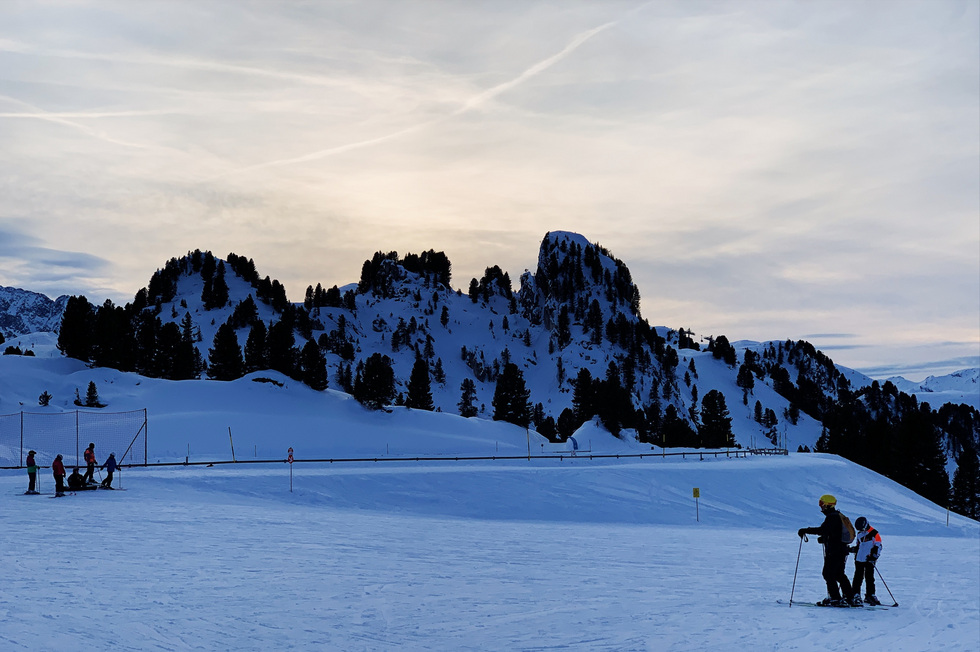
578, 553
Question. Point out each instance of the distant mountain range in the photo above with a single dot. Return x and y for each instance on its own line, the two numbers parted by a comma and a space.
23, 312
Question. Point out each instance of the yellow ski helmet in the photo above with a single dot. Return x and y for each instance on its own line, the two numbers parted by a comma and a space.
827, 500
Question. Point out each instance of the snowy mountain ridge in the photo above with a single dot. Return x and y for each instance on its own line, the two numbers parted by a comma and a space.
576, 313
23, 312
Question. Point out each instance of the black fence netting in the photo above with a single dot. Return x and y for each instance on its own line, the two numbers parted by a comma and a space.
69, 434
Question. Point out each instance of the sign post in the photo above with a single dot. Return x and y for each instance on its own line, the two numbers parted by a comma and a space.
290, 460
697, 507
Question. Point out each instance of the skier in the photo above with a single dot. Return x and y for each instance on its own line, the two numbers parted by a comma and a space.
58, 471
110, 468
866, 553
91, 462
31, 473
76, 481
835, 554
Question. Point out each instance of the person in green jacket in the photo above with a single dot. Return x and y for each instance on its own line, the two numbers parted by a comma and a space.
31, 473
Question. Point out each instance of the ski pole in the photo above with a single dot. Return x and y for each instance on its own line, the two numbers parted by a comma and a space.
793, 592
886, 586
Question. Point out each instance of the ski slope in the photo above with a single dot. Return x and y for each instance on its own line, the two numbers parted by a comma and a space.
572, 554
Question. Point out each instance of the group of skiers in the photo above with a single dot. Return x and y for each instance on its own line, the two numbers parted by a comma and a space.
839, 538
76, 481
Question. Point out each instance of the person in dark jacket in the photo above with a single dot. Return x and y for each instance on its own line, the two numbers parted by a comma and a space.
31, 473
90, 461
830, 534
110, 468
58, 471
76, 481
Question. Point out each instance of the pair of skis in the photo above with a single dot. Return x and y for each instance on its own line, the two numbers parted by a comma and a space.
869, 607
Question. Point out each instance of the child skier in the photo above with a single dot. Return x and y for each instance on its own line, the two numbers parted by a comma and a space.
866, 551
110, 468
835, 554
58, 471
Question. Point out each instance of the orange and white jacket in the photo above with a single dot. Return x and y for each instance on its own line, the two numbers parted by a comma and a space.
868, 544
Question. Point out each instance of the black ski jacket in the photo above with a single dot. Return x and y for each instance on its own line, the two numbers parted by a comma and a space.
831, 531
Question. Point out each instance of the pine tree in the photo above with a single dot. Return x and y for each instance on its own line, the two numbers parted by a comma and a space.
187, 359
255, 348
217, 297
511, 397
75, 334
966, 485
564, 332
279, 347
374, 386
419, 388
612, 401
92, 396
746, 381
583, 398
716, 424
566, 424
314, 366
466, 400
225, 356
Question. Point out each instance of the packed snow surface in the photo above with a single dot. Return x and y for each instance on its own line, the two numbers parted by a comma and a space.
577, 554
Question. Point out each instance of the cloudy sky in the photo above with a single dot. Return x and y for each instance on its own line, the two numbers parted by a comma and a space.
767, 170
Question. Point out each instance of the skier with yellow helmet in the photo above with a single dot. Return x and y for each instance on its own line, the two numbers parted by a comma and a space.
833, 535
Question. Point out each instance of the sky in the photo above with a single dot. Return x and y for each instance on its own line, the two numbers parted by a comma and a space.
766, 170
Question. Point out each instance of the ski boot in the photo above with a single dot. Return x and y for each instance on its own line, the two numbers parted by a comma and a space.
872, 600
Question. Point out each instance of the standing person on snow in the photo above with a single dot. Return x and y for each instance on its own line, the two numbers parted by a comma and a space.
830, 534
866, 553
90, 460
31, 473
110, 468
58, 471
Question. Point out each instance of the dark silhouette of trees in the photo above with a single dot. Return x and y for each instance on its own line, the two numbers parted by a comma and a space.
374, 385
419, 388
92, 396
965, 498
466, 405
716, 424
225, 356
313, 366
255, 348
75, 335
511, 398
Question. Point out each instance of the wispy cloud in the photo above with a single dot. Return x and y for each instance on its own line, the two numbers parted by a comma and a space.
37, 113
472, 103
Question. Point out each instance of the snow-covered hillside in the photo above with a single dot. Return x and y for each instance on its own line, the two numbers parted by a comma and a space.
576, 313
